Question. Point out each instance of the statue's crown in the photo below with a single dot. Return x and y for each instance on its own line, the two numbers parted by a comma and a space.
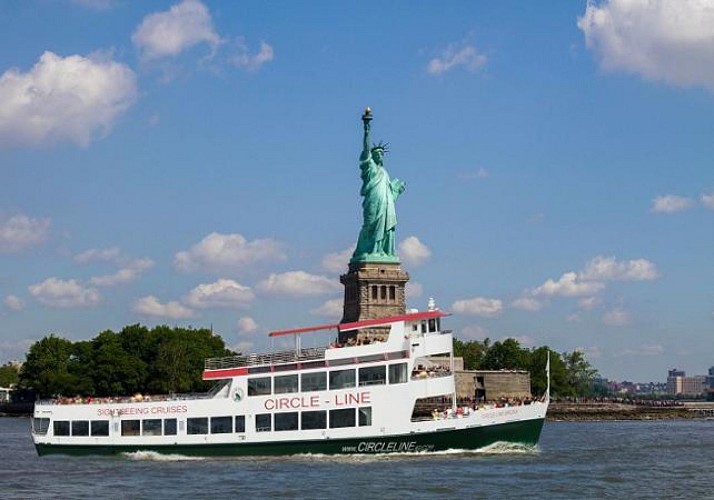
382, 146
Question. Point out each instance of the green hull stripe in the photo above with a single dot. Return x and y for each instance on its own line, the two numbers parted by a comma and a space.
525, 432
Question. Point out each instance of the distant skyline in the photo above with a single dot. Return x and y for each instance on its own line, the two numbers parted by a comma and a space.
196, 163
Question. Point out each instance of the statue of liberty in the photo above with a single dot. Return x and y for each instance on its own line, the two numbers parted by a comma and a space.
379, 192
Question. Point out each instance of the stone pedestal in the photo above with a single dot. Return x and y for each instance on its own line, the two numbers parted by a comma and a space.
372, 290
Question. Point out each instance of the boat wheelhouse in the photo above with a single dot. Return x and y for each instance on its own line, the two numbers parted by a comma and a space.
378, 397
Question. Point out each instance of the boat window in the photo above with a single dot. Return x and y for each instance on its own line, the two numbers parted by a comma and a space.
432, 325
438, 324
397, 355
259, 386
373, 375
100, 427
415, 327
258, 369
151, 427
286, 383
130, 427
316, 381
370, 359
423, 326
80, 427
341, 379
240, 423
306, 365
197, 425
263, 422
342, 418
40, 425
169, 427
221, 425
365, 416
398, 373
314, 420
286, 421
286, 368
61, 427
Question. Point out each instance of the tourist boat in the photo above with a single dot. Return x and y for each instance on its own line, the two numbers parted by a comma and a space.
395, 396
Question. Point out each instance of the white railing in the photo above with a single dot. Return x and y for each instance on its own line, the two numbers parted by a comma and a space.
272, 358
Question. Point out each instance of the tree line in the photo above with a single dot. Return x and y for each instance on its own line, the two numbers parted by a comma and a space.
134, 360
570, 373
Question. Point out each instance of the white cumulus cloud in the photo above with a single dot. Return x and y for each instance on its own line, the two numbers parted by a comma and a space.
246, 324
474, 332
168, 33
222, 293
608, 268
708, 201
227, 252
15, 303
132, 271
63, 99
20, 231
329, 309
413, 251
617, 317
150, 306
413, 290
569, 285
337, 262
479, 306
527, 304
98, 255
243, 58
665, 40
55, 292
670, 203
298, 284
455, 56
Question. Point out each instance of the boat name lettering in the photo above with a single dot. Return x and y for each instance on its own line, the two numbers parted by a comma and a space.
502, 413
138, 410
392, 447
300, 402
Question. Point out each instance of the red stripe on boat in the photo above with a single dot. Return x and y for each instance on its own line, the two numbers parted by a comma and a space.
224, 373
418, 316
302, 330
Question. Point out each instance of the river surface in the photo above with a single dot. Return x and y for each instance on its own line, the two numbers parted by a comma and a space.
629, 460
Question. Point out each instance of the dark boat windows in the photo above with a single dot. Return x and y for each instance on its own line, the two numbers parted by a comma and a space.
398, 373
40, 425
286, 383
373, 375
151, 427
286, 421
263, 422
80, 427
169, 427
130, 427
342, 418
259, 386
221, 425
314, 420
99, 427
342, 379
61, 427
365, 416
197, 425
316, 381
240, 423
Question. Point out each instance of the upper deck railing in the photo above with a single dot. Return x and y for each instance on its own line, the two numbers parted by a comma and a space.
272, 358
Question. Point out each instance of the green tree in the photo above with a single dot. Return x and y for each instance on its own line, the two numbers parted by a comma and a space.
505, 355
114, 370
472, 352
9, 375
48, 370
581, 375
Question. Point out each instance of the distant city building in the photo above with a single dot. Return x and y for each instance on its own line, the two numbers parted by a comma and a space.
678, 383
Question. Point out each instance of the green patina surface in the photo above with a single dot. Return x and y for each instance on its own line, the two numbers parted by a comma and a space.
524, 432
376, 241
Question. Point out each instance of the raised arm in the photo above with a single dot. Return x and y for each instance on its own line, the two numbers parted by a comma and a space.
366, 120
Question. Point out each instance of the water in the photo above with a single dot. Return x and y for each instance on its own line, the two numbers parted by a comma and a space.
672, 459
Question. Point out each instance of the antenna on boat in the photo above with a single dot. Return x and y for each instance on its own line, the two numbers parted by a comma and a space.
547, 375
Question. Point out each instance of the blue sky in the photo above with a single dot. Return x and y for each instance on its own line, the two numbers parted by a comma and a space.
195, 163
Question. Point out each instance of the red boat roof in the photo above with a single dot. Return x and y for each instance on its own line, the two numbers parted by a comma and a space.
356, 325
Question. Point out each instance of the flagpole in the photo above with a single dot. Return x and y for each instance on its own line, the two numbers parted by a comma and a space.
547, 374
